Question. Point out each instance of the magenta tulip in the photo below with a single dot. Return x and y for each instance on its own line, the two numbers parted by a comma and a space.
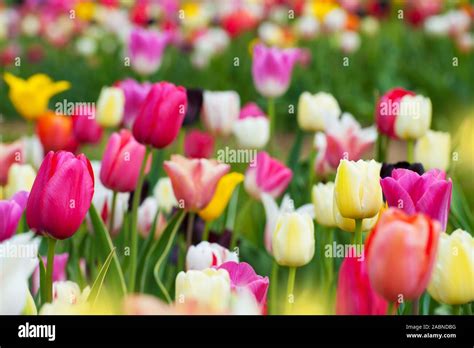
161, 115
429, 193
59, 270
387, 109
355, 295
145, 49
61, 195
135, 94
268, 175
198, 144
251, 110
121, 162
10, 214
85, 127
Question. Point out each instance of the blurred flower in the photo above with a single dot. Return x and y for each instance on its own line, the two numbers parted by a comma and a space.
335, 20
323, 201
194, 180
307, 27
272, 69
414, 117
121, 162
207, 255
10, 212
85, 127
266, 174
349, 41
315, 111
61, 195
355, 295
163, 192
20, 178
387, 110
164, 105
68, 299
31, 97
271, 34
220, 111
210, 288
207, 45
110, 107
145, 49
293, 239
33, 150
10, 154
16, 269
56, 132
434, 150
452, 281
146, 215
344, 139
403, 273
238, 22
252, 129
357, 190
135, 94
198, 144
370, 26
429, 193
59, 271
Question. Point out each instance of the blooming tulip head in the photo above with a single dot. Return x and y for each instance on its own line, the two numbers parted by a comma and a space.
31, 97
20, 178
429, 193
434, 150
252, 129
161, 115
10, 213
357, 190
220, 111
110, 107
400, 253
323, 198
56, 132
414, 118
207, 255
355, 295
387, 110
198, 144
315, 111
135, 93
293, 239
267, 175
61, 195
121, 162
272, 68
146, 48
452, 281
194, 180
85, 127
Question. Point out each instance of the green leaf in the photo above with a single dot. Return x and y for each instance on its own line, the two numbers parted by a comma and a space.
106, 246
99, 281
144, 250
461, 216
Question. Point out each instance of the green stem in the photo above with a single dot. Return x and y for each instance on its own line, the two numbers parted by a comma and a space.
274, 288
235, 232
410, 150
189, 230
358, 232
112, 214
457, 309
49, 270
291, 286
134, 234
312, 157
415, 306
205, 234
390, 308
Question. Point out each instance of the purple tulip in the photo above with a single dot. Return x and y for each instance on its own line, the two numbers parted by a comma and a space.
10, 214
429, 193
145, 49
135, 93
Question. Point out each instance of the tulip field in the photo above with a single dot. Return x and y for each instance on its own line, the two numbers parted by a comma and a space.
236, 157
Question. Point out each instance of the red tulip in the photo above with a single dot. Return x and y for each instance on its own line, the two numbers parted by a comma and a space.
56, 133
198, 144
121, 162
9, 154
387, 110
61, 195
85, 127
161, 115
400, 253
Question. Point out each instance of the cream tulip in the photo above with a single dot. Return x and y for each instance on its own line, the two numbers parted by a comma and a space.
323, 197
414, 117
349, 225
110, 106
163, 192
315, 111
433, 150
20, 178
220, 111
252, 132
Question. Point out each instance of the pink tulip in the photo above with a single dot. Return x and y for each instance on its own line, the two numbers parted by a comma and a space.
9, 154
400, 253
429, 193
121, 162
198, 144
251, 110
85, 127
135, 94
242, 275
161, 115
272, 68
10, 214
268, 175
145, 49
355, 295
194, 181
59, 270
387, 109
61, 194
344, 139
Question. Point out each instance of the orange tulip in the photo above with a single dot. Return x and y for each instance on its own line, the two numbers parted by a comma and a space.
56, 132
400, 254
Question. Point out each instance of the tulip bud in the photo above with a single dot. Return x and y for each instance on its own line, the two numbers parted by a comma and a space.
163, 192
110, 106
146, 48
323, 198
315, 110
357, 189
293, 239
220, 111
388, 109
198, 144
414, 118
61, 195
402, 273
86, 129
209, 288
207, 255
433, 150
10, 214
452, 281
20, 178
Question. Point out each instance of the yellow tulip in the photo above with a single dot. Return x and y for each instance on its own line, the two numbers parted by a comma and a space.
357, 190
433, 150
452, 280
110, 106
31, 97
349, 225
225, 188
20, 178
323, 197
